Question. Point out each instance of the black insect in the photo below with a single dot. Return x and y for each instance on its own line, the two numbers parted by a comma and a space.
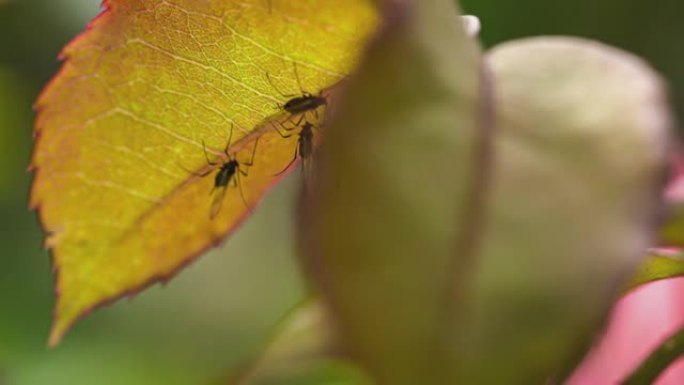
302, 103
229, 170
299, 106
306, 102
304, 149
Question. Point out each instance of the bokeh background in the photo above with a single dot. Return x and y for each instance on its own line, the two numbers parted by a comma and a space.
219, 311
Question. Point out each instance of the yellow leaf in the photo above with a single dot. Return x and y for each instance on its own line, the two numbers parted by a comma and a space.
121, 131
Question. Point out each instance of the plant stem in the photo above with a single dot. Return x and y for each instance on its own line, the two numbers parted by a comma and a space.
659, 360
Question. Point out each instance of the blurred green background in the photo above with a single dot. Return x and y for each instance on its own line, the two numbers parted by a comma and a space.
219, 311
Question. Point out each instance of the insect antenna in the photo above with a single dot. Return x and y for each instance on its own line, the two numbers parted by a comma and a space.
270, 81
230, 140
299, 82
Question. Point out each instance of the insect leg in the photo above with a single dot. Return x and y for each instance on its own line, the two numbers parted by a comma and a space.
294, 159
288, 133
268, 77
197, 174
299, 83
251, 161
242, 194
206, 155
301, 118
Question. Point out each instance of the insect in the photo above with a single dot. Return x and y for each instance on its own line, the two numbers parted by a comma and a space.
229, 170
304, 149
300, 105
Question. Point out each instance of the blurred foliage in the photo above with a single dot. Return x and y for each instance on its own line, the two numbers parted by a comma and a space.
649, 29
220, 310
657, 267
304, 350
569, 126
13, 100
672, 233
384, 260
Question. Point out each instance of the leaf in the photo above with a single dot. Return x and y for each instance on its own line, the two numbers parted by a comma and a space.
304, 350
120, 131
657, 266
672, 232
398, 192
582, 141
666, 261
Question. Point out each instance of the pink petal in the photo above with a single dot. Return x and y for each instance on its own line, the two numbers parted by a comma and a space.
639, 323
